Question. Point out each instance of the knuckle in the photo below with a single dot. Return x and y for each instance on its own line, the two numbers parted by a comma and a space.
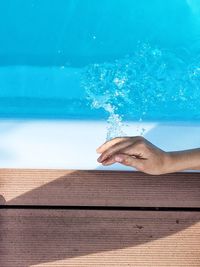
139, 138
141, 144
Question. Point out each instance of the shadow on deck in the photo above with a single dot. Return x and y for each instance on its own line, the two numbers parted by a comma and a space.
112, 211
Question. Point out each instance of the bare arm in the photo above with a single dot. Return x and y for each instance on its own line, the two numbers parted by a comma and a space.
144, 156
185, 160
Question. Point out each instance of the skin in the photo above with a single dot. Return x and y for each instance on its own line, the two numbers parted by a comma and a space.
139, 153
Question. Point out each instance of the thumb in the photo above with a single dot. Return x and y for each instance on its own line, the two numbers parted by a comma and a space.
127, 160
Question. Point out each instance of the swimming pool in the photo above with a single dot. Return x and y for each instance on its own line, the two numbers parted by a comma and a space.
75, 72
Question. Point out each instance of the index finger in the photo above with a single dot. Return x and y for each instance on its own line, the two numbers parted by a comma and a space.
110, 143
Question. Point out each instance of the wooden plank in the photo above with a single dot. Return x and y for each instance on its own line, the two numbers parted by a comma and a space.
100, 188
98, 238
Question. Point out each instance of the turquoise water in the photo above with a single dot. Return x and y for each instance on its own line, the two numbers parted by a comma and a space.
112, 60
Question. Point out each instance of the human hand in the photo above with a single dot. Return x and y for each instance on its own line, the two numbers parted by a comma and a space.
136, 152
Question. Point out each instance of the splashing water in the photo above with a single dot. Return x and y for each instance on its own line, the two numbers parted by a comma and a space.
151, 81
104, 88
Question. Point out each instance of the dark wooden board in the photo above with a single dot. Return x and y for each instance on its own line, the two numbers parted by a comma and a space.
98, 238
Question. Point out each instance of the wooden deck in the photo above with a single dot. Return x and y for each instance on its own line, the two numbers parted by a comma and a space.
96, 218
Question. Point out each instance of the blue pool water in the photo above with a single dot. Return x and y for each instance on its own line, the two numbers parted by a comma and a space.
112, 60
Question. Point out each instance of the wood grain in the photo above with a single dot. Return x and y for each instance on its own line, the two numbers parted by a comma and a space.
98, 238
98, 188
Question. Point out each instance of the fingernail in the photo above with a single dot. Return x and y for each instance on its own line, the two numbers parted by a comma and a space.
99, 159
118, 159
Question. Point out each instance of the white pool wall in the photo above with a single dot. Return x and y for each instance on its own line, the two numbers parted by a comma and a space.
72, 144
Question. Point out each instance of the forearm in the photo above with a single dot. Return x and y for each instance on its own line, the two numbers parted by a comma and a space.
183, 160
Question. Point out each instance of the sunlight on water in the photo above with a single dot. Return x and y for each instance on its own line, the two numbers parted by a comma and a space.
137, 86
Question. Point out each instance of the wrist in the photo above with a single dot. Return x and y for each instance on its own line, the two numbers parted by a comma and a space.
182, 160
173, 162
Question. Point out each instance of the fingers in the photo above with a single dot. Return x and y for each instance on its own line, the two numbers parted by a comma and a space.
109, 161
110, 143
128, 160
121, 146
125, 160
129, 151
116, 140
128, 146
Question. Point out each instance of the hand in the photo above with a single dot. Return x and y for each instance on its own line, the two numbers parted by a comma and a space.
136, 152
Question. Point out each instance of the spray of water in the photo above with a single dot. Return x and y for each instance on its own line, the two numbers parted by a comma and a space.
151, 81
105, 88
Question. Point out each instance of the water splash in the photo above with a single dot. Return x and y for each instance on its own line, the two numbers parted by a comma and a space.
105, 88
151, 81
